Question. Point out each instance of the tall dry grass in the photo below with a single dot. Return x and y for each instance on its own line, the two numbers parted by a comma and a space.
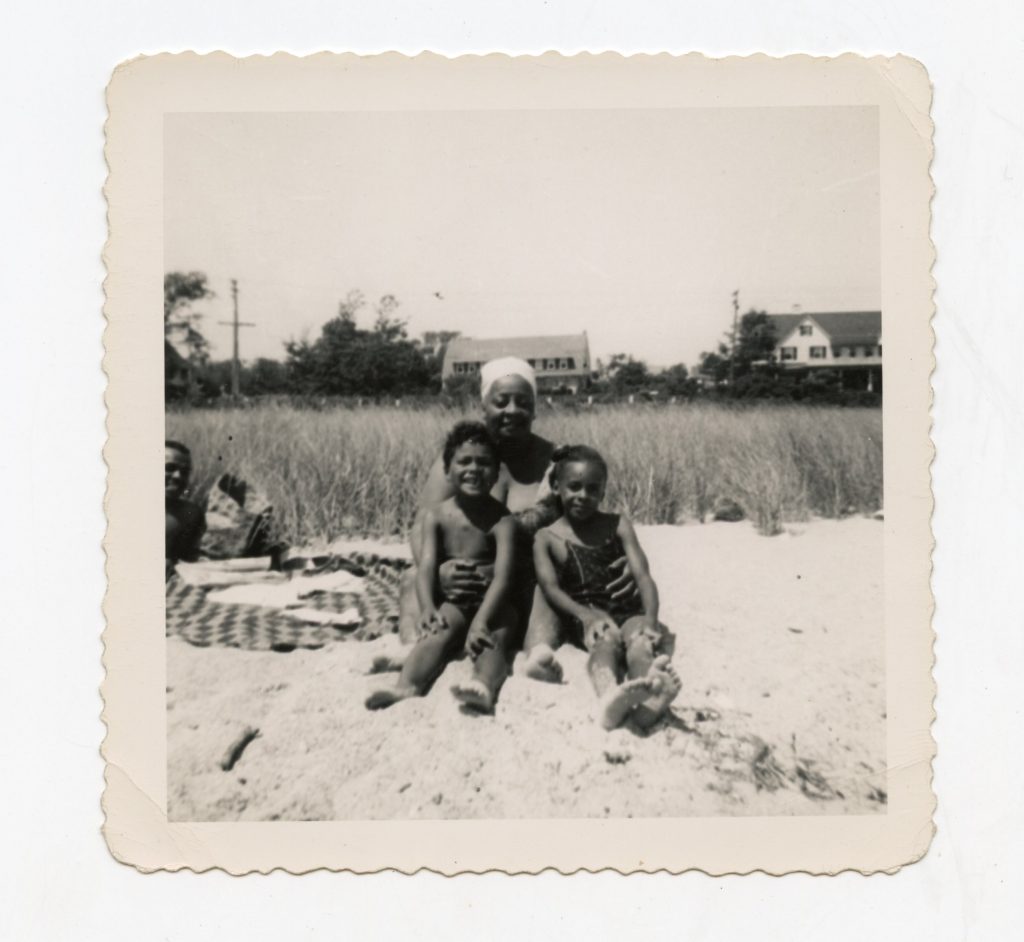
360, 470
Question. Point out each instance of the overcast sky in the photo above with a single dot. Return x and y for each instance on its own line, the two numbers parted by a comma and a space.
635, 226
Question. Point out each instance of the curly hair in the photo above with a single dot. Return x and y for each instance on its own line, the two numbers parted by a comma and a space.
473, 433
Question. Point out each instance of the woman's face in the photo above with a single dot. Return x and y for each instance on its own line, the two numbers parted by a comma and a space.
509, 408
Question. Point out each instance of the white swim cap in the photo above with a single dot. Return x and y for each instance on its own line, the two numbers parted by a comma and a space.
494, 370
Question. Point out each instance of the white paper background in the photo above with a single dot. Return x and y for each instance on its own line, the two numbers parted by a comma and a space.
58, 880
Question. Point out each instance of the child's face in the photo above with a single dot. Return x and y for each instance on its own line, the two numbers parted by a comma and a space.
474, 469
581, 489
177, 471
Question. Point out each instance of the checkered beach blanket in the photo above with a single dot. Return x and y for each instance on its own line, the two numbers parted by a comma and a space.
202, 621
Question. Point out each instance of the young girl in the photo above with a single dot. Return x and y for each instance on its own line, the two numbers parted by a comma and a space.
475, 527
572, 558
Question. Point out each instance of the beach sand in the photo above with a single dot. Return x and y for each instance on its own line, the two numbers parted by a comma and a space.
779, 646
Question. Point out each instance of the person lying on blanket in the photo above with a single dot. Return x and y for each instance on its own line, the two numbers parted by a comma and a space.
472, 526
508, 391
185, 521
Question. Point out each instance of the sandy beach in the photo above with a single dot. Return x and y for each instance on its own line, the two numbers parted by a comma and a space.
779, 644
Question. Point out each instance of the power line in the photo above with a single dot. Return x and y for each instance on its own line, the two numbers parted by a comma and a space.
235, 323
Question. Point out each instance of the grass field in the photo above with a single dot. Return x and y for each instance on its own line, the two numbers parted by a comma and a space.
359, 471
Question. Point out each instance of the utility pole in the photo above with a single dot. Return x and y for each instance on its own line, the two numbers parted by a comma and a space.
235, 324
735, 334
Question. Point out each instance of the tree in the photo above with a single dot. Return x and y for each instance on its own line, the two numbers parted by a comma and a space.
347, 360
675, 381
181, 322
434, 345
755, 342
627, 374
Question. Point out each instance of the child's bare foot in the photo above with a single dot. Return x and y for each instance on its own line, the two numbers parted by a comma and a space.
474, 695
541, 664
670, 684
384, 663
380, 699
619, 701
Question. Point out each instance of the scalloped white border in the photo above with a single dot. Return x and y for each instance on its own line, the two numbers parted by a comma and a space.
139, 94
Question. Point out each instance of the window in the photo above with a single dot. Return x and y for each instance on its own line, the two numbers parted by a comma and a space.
572, 363
879, 349
869, 351
787, 353
551, 364
844, 351
806, 330
563, 364
818, 353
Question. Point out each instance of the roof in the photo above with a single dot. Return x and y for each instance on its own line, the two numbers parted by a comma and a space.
844, 328
470, 350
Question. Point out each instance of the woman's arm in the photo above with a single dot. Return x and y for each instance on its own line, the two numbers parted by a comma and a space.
544, 513
638, 567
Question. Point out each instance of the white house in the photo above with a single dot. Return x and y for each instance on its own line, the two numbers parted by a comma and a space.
847, 341
561, 363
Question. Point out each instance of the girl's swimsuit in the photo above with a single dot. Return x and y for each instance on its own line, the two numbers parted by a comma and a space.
584, 577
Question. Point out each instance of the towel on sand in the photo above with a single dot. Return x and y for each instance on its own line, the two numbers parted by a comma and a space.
194, 614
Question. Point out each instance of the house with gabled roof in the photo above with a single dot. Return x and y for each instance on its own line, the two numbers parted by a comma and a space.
561, 363
847, 341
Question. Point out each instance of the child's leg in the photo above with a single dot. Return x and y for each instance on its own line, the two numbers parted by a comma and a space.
493, 665
641, 661
606, 667
426, 661
543, 635
408, 608
639, 647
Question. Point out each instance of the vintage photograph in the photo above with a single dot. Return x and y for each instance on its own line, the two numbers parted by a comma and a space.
545, 463
524, 465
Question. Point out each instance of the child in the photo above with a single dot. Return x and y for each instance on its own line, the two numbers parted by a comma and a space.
572, 558
185, 522
473, 526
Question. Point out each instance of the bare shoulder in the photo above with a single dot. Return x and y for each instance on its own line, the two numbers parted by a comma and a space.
437, 487
543, 448
547, 540
186, 512
624, 526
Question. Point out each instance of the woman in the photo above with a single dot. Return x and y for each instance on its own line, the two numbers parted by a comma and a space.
508, 390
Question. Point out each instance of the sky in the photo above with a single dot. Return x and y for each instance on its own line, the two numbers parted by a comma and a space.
634, 225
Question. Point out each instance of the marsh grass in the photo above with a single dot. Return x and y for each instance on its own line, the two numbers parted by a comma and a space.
359, 471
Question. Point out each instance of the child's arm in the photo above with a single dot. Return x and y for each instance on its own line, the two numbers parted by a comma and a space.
426, 574
504, 564
639, 568
547, 579
436, 490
